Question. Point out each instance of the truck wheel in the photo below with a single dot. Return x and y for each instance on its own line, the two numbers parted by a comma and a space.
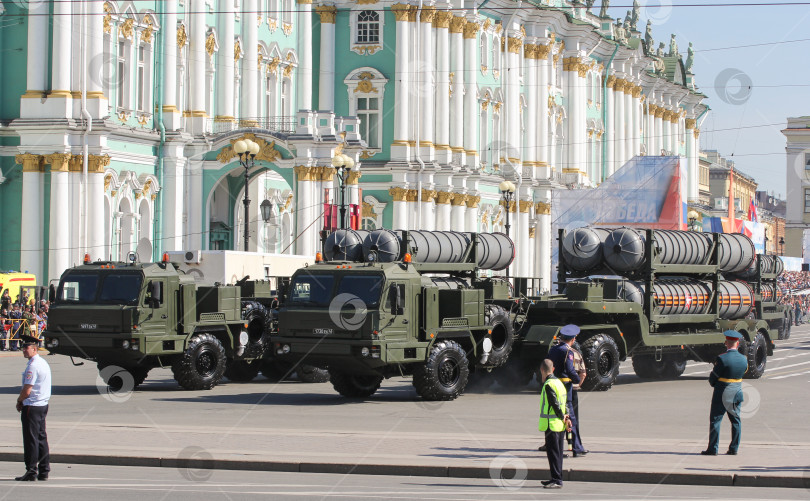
119, 378
645, 367
503, 334
259, 320
202, 365
242, 370
786, 334
757, 355
445, 373
601, 356
673, 366
355, 385
274, 370
311, 374
515, 374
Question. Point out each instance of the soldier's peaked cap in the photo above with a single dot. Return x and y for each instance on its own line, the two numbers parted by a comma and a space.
732, 334
28, 340
569, 331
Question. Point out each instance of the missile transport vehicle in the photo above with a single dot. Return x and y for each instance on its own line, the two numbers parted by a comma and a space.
387, 303
131, 317
660, 297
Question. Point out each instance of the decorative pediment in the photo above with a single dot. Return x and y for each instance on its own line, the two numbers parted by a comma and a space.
267, 151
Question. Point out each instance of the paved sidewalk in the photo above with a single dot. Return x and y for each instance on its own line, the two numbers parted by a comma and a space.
409, 453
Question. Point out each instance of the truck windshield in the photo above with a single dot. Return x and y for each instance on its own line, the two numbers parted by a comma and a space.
123, 288
78, 288
366, 287
311, 289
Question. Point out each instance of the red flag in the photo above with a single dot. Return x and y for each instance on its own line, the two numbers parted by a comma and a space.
753, 216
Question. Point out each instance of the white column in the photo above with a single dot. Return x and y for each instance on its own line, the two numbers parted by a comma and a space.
59, 222
658, 131
522, 234
171, 115
326, 76
173, 196
543, 239
693, 166
512, 130
60, 103
629, 128
666, 131
37, 60
529, 152
425, 75
249, 92
457, 118
225, 66
471, 216
197, 238
576, 116
306, 210
400, 218
443, 212
543, 142
442, 91
471, 124
457, 210
304, 31
402, 88
197, 63
609, 136
95, 206
31, 241
619, 118
428, 222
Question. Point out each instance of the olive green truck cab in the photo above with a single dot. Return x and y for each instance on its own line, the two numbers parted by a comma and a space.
133, 317
367, 321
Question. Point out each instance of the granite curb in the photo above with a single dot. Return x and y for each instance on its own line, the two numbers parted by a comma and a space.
533, 474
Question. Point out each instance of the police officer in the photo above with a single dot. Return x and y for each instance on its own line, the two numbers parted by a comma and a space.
33, 407
562, 356
726, 378
553, 422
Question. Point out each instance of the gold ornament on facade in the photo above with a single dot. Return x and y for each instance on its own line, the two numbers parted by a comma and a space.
611, 80
429, 195
551, 102
427, 14
272, 65
368, 210
582, 69
210, 44
304, 173
498, 28
365, 85
107, 181
471, 30
267, 151
123, 116
525, 206
514, 44
458, 200
237, 51
329, 12
442, 19
143, 120
412, 196
286, 28
532, 232
366, 50
97, 163
108, 9
366, 154
484, 105
457, 24
127, 28
542, 209
690, 123
146, 33
496, 107
287, 203
398, 194
530, 51
543, 51
59, 162
412, 13
512, 205
487, 24
354, 177
272, 24
472, 201
400, 11
182, 37
444, 197
288, 69
31, 162
697, 133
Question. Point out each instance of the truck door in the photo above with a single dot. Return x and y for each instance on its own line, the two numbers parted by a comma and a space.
399, 305
156, 320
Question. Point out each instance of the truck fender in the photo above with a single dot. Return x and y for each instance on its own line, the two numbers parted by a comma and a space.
609, 330
465, 339
223, 334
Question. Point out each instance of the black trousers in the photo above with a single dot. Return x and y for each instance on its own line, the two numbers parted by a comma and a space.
35, 439
554, 451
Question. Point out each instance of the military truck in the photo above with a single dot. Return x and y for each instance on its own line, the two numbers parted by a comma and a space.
659, 297
763, 276
131, 317
383, 303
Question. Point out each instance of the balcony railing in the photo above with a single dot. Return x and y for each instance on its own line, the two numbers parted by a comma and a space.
284, 125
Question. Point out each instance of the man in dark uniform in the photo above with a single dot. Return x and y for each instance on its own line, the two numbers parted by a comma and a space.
32, 404
726, 378
562, 356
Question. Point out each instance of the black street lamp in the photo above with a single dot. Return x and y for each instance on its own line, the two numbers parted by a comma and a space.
692, 216
343, 165
247, 151
781, 246
766, 241
507, 189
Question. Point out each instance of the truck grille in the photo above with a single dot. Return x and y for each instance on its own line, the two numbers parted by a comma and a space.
455, 322
212, 317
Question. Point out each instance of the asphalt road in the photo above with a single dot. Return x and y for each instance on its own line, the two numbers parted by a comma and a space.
81, 482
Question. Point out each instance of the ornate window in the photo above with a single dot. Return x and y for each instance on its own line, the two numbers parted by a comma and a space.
366, 87
122, 72
367, 32
482, 46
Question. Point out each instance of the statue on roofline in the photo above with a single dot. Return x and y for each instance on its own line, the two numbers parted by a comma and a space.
603, 12
673, 47
635, 16
690, 58
649, 43
621, 33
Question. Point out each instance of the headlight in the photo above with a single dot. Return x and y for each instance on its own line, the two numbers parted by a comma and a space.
134, 345
364, 351
486, 345
125, 344
285, 349
243, 338
54, 342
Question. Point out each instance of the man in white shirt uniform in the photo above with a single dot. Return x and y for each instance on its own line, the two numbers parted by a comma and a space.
33, 406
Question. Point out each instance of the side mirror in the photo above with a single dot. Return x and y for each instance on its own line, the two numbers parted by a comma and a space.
156, 293
51, 293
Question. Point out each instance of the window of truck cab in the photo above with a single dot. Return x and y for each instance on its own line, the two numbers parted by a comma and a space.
78, 288
367, 288
121, 288
311, 289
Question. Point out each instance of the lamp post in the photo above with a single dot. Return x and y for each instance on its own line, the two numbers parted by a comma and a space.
692, 217
766, 241
343, 165
266, 207
507, 189
247, 151
781, 246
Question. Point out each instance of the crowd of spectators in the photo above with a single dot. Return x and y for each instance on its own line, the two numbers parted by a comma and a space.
23, 315
795, 286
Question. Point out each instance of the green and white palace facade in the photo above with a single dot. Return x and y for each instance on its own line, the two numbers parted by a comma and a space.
118, 119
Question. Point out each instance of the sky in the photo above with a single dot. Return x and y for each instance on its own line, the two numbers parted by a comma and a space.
751, 90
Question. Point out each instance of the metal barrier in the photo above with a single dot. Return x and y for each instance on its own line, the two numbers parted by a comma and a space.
9, 333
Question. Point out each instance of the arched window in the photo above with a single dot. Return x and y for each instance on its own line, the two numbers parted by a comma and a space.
496, 53
369, 113
122, 74
483, 145
366, 88
482, 46
368, 27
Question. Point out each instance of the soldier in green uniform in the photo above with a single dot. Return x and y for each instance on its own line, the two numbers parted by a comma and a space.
726, 378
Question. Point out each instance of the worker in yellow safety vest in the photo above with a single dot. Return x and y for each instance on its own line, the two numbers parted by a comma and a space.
553, 421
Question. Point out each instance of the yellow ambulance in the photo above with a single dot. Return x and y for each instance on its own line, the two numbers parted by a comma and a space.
13, 282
